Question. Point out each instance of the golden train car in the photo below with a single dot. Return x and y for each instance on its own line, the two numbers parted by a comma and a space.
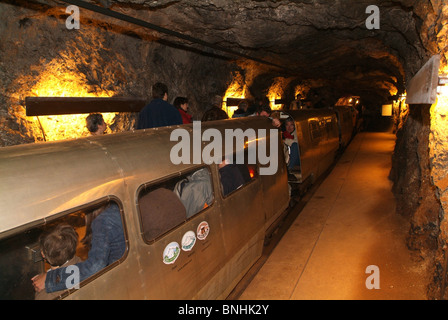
175, 247
346, 115
318, 139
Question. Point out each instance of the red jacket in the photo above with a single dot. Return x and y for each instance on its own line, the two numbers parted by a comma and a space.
186, 118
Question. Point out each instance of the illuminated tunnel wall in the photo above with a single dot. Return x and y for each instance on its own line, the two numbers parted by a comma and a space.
41, 57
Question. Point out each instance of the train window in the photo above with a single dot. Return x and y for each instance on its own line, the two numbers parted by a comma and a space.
233, 175
315, 129
22, 254
165, 205
329, 125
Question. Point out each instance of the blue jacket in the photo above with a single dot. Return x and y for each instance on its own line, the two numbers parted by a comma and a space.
108, 245
158, 113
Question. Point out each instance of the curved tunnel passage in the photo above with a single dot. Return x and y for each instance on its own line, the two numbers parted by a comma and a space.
323, 50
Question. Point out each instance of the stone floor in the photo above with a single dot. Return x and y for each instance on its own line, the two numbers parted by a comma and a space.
348, 225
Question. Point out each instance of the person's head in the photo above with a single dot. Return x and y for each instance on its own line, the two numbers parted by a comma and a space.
160, 91
264, 111
217, 101
290, 125
59, 245
87, 240
95, 124
181, 103
243, 105
214, 113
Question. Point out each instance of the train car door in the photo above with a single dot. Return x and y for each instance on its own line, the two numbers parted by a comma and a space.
242, 215
311, 151
182, 247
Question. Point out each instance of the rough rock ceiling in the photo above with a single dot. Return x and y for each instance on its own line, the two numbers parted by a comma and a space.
325, 40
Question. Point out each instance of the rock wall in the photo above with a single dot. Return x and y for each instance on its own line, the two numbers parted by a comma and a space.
420, 160
41, 57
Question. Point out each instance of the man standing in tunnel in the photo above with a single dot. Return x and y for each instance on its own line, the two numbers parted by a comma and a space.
158, 113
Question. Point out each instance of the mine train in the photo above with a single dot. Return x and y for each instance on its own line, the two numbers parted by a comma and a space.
173, 250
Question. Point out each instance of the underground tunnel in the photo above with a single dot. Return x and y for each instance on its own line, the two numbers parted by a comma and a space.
366, 52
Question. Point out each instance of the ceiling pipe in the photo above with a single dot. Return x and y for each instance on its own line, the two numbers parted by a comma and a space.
147, 25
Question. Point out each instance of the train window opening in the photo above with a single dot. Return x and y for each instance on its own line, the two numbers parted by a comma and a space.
329, 126
167, 204
22, 256
315, 130
234, 175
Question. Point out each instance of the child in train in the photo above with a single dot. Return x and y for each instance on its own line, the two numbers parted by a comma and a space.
105, 239
292, 144
58, 248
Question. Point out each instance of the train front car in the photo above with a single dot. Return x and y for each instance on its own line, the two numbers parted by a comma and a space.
317, 135
189, 229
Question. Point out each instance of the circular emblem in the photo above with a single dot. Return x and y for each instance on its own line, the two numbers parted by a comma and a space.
203, 230
171, 253
188, 241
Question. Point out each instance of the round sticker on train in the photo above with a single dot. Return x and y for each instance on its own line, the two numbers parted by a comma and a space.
203, 230
188, 240
171, 253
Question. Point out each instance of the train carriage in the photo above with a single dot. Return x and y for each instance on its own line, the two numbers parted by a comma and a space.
345, 115
318, 138
187, 236
46, 183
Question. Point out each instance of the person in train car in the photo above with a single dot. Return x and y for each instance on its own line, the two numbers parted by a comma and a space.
214, 113
195, 191
232, 176
158, 113
291, 141
96, 124
243, 106
266, 111
181, 104
58, 248
105, 238
297, 103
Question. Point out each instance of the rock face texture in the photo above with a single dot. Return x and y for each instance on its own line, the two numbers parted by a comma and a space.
323, 49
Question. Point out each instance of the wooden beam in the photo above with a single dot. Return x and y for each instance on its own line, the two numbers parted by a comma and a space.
233, 102
40, 106
280, 101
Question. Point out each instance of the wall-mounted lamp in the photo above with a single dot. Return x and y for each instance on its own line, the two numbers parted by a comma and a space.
422, 88
442, 87
443, 80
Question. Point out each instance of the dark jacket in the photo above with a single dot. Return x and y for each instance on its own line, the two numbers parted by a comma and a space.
158, 113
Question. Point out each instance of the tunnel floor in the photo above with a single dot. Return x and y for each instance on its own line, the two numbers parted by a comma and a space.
349, 224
